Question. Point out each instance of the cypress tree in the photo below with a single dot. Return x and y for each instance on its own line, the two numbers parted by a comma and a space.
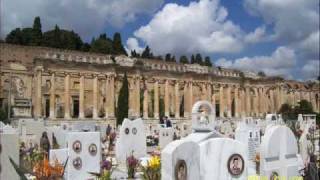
36, 32
123, 101
117, 44
168, 57
193, 60
199, 59
207, 61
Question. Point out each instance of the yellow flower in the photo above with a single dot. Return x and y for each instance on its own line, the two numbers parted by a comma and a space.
154, 162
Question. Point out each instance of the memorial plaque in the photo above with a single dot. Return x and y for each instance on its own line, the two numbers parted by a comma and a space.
77, 163
93, 149
181, 171
76, 146
236, 165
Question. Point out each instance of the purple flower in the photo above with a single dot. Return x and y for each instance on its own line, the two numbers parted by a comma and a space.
106, 165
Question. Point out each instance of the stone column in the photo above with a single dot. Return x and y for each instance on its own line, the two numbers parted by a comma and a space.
177, 100
166, 98
248, 103
190, 97
145, 101
209, 93
67, 97
38, 101
137, 99
110, 96
156, 99
81, 97
186, 100
236, 102
221, 106
256, 102
229, 101
95, 97
243, 103
52, 97
271, 101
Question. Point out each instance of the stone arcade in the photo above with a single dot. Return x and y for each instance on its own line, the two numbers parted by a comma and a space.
70, 85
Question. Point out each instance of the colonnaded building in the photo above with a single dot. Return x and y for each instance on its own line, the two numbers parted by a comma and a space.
70, 85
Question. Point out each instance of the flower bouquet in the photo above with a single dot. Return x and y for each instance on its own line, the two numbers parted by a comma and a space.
152, 171
132, 165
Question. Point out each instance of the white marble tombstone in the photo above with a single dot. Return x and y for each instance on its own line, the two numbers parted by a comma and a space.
9, 147
203, 116
165, 136
249, 134
31, 129
278, 153
180, 158
59, 133
223, 158
226, 128
132, 139
84, 154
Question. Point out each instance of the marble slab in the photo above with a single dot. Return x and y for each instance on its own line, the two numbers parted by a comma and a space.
132, 139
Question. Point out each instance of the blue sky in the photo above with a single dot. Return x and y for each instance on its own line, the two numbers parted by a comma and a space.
279, 37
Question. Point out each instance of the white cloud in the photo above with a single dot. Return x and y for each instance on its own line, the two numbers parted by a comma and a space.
87, 17
280, 63
133, 44
199, 27
258, 35
311, 69
295, 22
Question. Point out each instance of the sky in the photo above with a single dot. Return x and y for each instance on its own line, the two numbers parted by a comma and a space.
278, 37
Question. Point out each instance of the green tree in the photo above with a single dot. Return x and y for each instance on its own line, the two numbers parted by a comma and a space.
117, 45
199, 59
86, 47
102, 45
123, 101
304, 107
184, 60
261, 74
193, 59
207, 61
14, 37
168, 57
36, 32
135, 54
147, 53
287, 112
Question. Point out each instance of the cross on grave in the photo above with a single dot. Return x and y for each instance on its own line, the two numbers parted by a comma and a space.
279, 153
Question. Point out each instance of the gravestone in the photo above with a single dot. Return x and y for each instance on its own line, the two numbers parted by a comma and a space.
278, 152
203, 116
180, 161
248, 133
9, 147
31, 130
132, 139
226, 128
305, 146
84, 154
59, 133
223, 158
165, 136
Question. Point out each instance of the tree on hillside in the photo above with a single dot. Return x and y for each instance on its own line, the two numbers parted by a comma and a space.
123, 101
147, 53
117, 45
135, 54
193, 59
199, 59
168, 57
36, 32
14, 37
102, 45
207, 61
261, 74
184, 60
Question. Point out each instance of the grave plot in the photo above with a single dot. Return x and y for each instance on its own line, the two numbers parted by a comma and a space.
84, 153
278, 153
9, 147
132, 139
165, 136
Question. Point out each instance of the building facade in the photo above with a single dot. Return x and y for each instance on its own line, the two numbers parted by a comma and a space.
61, 84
